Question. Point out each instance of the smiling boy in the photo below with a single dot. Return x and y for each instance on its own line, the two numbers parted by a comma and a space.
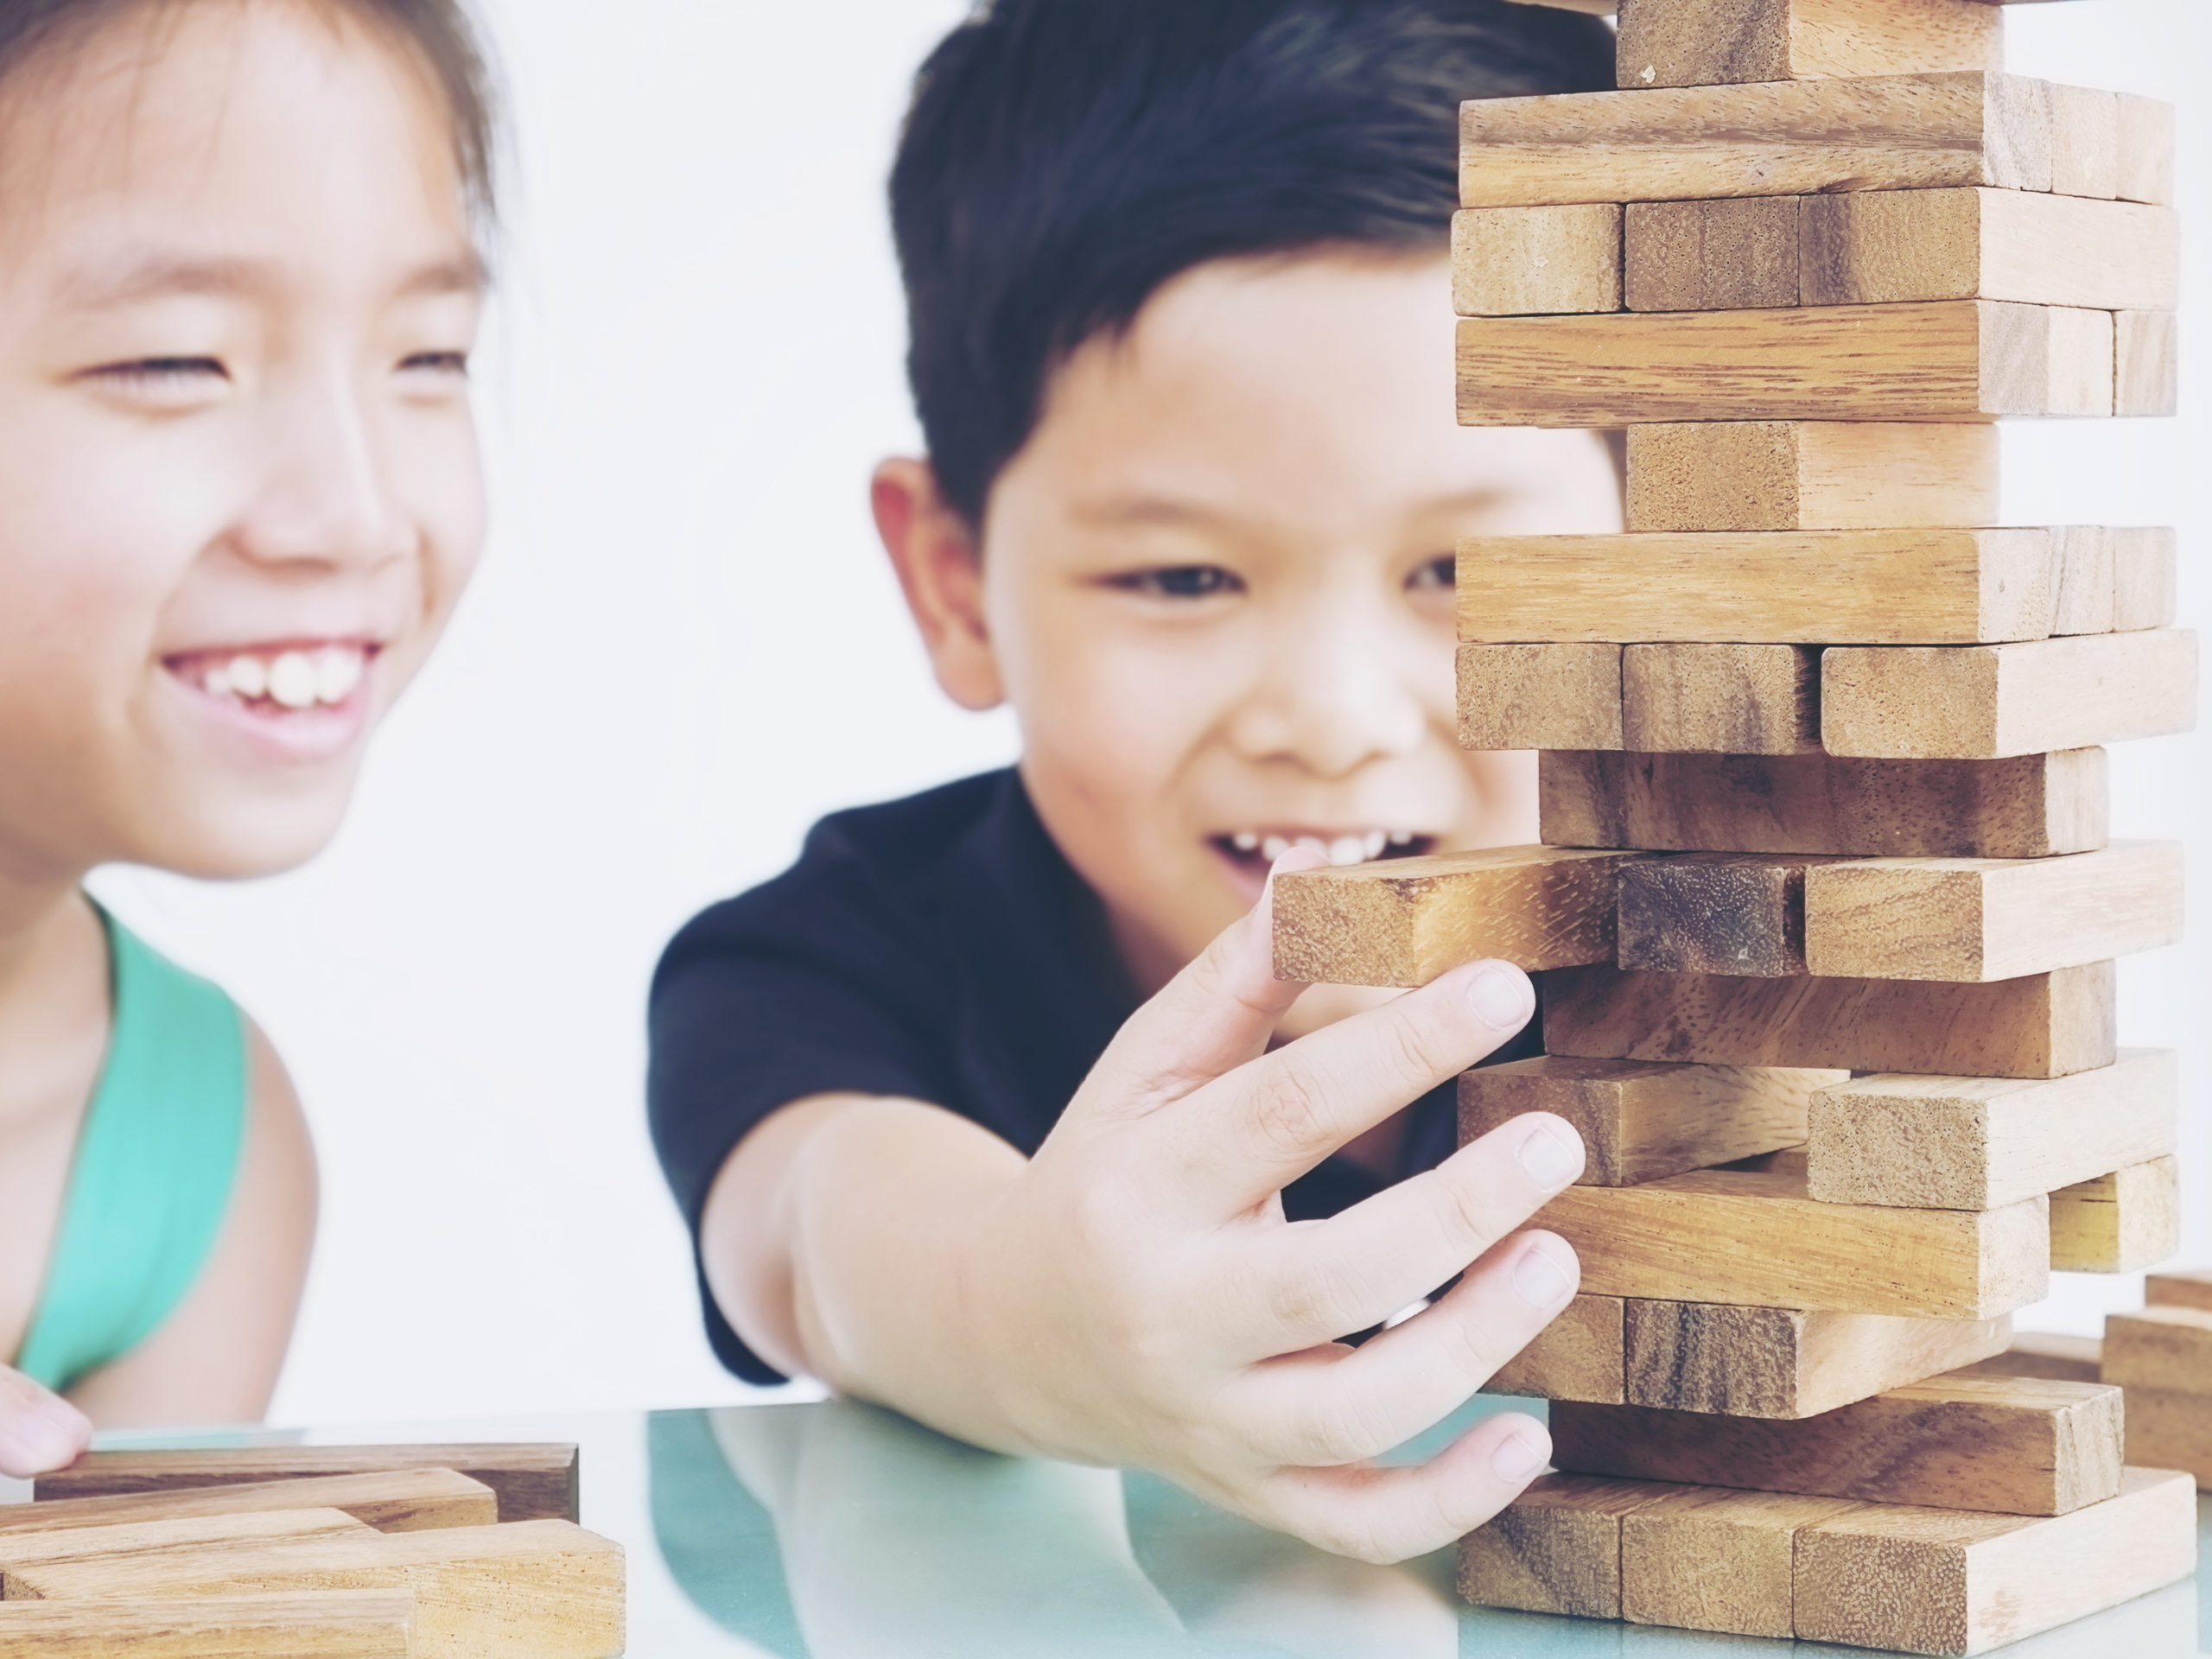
1180, 300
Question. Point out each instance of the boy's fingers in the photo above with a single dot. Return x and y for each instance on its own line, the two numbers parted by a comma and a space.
39, 1430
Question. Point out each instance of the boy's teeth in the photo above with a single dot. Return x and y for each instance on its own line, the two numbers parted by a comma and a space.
1247, 841
1348, 849
1273, 847
1375, 842
249, 677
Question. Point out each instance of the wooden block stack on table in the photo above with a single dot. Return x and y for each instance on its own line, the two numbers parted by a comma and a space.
1828, 905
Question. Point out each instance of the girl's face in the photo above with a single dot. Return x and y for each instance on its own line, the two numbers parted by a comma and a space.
239, 489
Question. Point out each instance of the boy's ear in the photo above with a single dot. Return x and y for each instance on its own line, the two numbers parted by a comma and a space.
941, 572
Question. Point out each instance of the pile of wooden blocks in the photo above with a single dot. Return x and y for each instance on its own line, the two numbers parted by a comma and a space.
384, 1552
1826, 909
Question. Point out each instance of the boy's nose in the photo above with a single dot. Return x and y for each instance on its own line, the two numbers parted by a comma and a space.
1333, 695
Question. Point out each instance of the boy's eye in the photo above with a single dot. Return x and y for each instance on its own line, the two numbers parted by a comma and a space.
1440, 572
1180, 581
163, 377
454, 363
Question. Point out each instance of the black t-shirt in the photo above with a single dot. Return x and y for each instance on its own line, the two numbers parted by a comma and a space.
940, 948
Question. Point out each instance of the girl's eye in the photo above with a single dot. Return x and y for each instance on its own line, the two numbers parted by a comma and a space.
448, 363
1439, 573
158, 375
1180, 581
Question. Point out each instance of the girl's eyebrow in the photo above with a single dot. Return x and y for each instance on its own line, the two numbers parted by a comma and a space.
133, 280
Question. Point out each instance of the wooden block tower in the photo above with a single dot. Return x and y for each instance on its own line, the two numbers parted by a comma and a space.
1827, 906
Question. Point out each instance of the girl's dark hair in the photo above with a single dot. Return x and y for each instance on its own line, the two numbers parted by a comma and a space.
440, 32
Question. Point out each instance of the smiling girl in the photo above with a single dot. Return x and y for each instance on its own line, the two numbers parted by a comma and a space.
239, 494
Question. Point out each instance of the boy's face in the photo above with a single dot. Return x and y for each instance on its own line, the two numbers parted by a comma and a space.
1216, 589
239, 479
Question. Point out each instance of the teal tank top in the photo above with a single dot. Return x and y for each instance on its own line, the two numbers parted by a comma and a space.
156, 1160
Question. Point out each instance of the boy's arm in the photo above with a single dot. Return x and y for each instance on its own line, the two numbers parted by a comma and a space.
1132, 1294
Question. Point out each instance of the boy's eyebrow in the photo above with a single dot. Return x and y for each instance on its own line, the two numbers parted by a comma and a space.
126, 282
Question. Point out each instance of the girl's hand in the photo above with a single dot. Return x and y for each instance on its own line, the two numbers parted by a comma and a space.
39, 1430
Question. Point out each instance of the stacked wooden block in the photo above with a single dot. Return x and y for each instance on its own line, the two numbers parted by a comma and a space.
454, 1551
1827, 906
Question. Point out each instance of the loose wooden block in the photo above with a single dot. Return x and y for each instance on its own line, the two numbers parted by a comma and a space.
1709, 1559
2008, 1445
1937, 1581
1944, 361
1715, 42
1884, 247
2029, 807
2143, 561
1709, 475
1578, 1356
2180, 1287
402, 1500
1737, 254
2119, 1222
1556, 1549
138, 1540
336, 1624
1713, 913
1788, 1362
2087, 590
2084, 142
1815, 587
1964, 919
1778, 139
1404, 921
1642, 1122
1538, 696
2146, 350
533, 1481
2145, 166
1719, 699
1755, 1239
531, 1589
1987, 703
2169, 1430
1976, 1143
2039, 1026
2045, 1354
2166, 1348
1509, 261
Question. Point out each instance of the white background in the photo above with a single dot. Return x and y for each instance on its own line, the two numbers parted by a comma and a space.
683, 648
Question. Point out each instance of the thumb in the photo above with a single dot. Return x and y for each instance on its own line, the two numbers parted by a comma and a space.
39, 1430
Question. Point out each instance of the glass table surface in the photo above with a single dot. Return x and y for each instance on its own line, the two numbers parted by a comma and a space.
838, 1531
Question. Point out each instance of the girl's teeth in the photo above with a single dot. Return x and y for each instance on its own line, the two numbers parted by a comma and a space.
1375, 842
336, 674
1247, 841
292, 681
216, 681
249, 677
1273, 847
1347, 849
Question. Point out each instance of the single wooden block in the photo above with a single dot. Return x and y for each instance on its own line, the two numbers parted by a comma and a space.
2048, 1355
1937, 1581
1404, 921
141, 1540
2166, 1348
336, 1624
1985, 703
2087, 592
2119, 1223
2008, 1445
1538, 696
2143, 571
531, 1589
2180, 1287
2147, 352
1714, 913
1710, 1559
1777, 138
2168, 1430
2039, 1026
1709, 475
1578, 1356
1977, 1143
1754, 1239
534, 1482
1718, 42
1964, 919
1737, 254
1788, 1362
1510, 262
2084, 142
1882, 247
1642, 1122
1944, 361
1719, 699
402, 1500
1556, 1549
1808, 586
2145, 170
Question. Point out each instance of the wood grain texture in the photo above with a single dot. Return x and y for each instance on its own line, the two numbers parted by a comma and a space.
1539, 697
1404, 921
1509, 261
2088, 585
2166, 1348
336, 1624
1556, 1549
1988, 703
2179, 1287
1578, 1356
1710, 1559
1819, 587
1978, 1143
1940, 1581
1642, 1122
1777, 138
2084, 142
1788, 1362
2167, 1430
1717, 42
1719, 699
2040, 1025
1887, 247
2143, 577
1946, 360
138, 1540
534, 1481
1708, 475
1737, 254
1713, 913
2145, 168
1754, 1239
2033, 806
2010, 1446
2048, 1355
531, 1590
2146, 352
2122, 1222
404, 1500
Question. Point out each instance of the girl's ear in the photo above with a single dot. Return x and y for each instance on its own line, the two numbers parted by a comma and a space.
941, 572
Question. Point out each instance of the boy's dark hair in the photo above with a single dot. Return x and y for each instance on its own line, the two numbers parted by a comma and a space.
1065, 158
439, 32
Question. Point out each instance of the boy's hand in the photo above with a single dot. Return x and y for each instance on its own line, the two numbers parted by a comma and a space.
39, 1430
1137, 1297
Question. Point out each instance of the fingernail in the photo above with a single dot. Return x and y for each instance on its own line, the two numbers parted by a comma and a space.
44, 1436
1548, 1157
1518, 1457
1502, 997
1541, 1280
